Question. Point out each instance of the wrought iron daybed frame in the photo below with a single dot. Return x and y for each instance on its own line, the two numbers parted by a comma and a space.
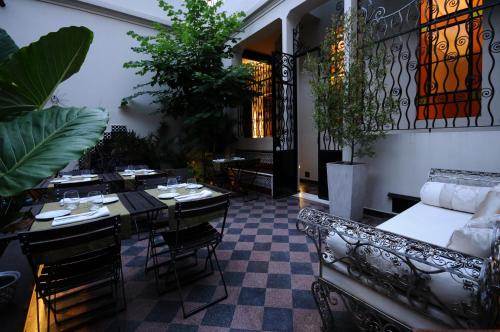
419, 260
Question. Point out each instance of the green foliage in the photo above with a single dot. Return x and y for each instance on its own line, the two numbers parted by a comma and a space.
7, 45
35, 142
40, 143
30, 76
189, 79
345, 94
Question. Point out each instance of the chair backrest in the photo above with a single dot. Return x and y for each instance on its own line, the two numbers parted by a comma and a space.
216, 206
73, 251
148, 181
122, 168
82, 187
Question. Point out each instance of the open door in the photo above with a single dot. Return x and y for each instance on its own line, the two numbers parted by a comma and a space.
284, 125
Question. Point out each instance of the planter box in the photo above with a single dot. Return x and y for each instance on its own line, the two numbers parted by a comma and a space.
346, 189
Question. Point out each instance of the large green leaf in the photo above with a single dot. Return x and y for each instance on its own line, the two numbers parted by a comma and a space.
7, 45
36, 145
30, 76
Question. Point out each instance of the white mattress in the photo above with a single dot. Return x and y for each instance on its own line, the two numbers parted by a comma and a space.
427, 223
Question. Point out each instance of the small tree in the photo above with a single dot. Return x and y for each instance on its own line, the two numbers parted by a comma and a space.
189, 77
347, 78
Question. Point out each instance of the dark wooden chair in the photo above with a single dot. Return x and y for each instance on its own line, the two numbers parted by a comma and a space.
76, 268
150, 181
83, 187
186, 238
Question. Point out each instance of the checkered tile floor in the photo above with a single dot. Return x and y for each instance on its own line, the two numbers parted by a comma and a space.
268, 266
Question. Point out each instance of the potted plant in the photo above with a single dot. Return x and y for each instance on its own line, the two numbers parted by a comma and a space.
346, 84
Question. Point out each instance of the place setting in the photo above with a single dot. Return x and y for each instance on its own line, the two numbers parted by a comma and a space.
183, 192
91, 207
131, 172
74, 178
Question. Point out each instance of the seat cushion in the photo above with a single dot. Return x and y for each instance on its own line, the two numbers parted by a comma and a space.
427, 223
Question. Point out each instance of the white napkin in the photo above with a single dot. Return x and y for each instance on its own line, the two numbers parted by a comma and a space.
194, 197
180, 185
102, 212
218, 160
70, 180
81, 200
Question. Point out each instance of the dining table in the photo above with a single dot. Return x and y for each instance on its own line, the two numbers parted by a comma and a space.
235, 167
130, 205
129, 177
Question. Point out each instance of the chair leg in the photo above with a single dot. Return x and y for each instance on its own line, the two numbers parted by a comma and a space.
179, 288
37, 312
122, 281
220, 272
48, 315
156, 266
147, 252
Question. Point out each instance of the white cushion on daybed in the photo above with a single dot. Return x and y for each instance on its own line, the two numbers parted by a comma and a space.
453, 196
427, 223
421, 222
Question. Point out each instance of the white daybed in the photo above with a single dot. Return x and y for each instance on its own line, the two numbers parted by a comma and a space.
400, 275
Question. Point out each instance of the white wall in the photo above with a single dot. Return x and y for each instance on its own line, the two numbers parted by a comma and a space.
307, 133
311, 35
404, 159
102, 80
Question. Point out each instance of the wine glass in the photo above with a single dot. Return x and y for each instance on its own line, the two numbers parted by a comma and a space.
95, 200
171, 184
71, 200
191, 183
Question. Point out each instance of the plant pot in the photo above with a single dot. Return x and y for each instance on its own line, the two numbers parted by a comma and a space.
346, 189
8, 283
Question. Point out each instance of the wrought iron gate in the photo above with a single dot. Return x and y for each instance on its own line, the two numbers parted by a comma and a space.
440, 61
284, 125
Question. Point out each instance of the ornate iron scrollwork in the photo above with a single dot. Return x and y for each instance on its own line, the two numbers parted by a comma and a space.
440, 57
284, 101
403, 269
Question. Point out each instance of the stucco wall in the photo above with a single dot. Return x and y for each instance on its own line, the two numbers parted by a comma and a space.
404, 159
102, 80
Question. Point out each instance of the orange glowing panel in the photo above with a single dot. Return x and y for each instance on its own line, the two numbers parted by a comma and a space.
450, 59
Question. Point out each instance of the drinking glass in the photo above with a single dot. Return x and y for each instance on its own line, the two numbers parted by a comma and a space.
171, 184
71, 200
190, 182
95, 200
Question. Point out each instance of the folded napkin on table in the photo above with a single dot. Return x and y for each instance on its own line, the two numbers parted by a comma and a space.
193, 197
81, 200
180, 185
102, 212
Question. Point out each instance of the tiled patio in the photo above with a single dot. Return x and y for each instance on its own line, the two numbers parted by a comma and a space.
268, 265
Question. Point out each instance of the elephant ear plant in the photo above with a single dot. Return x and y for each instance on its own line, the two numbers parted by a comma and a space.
36, 142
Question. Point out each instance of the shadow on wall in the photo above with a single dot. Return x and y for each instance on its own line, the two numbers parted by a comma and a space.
142, 117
